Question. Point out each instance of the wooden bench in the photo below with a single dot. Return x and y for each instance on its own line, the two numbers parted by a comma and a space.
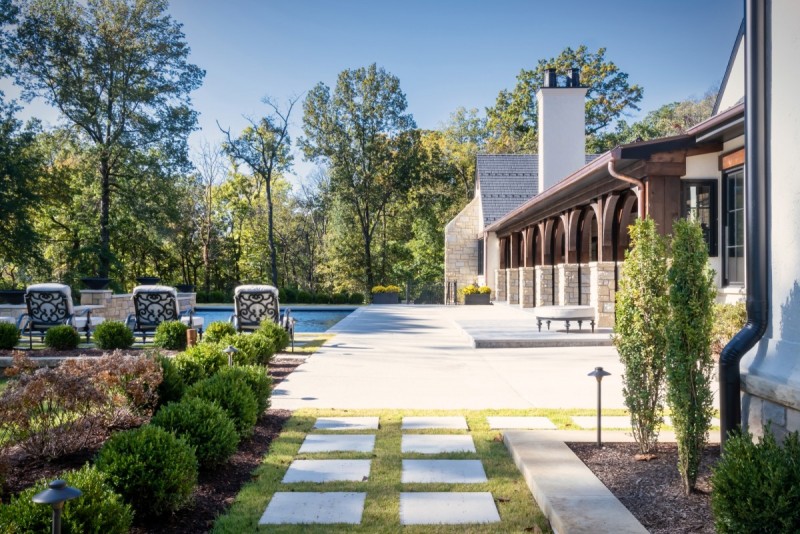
564, 313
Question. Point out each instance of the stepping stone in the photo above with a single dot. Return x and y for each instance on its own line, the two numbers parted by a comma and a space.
337, 443
436, 444
327, 471
447, 508
346, 423
447, 471
537, 423
311, 507
420, 423
608, 421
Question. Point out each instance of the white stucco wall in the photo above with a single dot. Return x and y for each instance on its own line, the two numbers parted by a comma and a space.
562, 141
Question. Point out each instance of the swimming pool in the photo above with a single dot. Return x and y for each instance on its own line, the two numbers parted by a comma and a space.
308, 319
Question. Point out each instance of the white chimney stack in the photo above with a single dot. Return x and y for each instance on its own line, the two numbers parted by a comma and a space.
562, 128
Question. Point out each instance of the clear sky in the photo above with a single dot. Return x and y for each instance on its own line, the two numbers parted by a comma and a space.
446, 53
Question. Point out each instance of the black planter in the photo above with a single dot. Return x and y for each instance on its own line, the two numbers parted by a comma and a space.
12, 296
385, 298
148, 280
95, 283
477, 299
185, 288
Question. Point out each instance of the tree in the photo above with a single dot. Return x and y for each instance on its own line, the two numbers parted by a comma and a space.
690, 367
363, 134
463, 136
642, 310
210, 171
264, 148
117, 70
513, 121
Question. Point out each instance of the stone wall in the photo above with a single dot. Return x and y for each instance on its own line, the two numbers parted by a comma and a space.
544, 285
602, 295
500, 284
118, 307
585, 284
461, 246
568, 288
526, 287
512, 286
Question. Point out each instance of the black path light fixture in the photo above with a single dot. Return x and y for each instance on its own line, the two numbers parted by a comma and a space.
56, 495
230, 351
599, 373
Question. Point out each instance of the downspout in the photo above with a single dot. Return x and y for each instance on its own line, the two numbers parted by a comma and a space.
756, 209
635, 181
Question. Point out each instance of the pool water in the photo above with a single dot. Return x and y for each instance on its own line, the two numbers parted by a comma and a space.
307, 320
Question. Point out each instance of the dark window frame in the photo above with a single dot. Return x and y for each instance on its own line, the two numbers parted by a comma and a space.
714, 226
726, 176
480, 257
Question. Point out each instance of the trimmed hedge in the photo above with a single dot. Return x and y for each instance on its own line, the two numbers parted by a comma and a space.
152, 469
173, 385
256, 378
113, 335
218, 330
226, 391
208, 355
9, 336
171, 335
253, 348
62, 337
273, 331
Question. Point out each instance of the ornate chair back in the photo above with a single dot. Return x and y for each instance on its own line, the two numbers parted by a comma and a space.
254, 303
154, 305
48, 305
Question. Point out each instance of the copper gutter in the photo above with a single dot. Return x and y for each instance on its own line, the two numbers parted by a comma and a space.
631, 180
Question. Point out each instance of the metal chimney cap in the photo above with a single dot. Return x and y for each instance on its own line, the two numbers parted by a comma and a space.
576, 77
550, 77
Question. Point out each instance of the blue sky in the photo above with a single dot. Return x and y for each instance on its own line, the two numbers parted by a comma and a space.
446, 53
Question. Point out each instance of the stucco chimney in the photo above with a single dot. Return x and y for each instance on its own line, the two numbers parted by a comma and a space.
562, 125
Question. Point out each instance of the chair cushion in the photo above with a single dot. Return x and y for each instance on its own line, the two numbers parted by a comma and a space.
197, 322
51, 311
255, 288
155, 289
80, 322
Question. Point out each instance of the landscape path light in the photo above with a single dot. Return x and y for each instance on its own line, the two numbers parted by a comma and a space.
56, 495
230, 351
598, 373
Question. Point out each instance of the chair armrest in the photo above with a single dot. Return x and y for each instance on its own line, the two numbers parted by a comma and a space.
20, 324
84, 311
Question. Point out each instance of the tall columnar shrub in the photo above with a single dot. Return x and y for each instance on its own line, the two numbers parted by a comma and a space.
689, 363
642, 309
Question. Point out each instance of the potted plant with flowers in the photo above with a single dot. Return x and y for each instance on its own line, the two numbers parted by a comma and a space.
386, 294
476, 295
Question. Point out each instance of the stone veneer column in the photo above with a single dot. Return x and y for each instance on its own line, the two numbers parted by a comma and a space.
602, 291
567, 284
544, 285
512, 286
526, 287
500, 284
586, 283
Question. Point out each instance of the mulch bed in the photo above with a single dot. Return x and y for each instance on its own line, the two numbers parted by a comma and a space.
652, 490
215, 491
74, 353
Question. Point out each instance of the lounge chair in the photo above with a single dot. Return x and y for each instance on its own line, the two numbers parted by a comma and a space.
255, 303
50, 305
153, 305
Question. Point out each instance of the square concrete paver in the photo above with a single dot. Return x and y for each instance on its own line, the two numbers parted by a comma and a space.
421, 423
346, 423
327, 471
608, 421
532, 423
338, 443
311, 507
436, 444
446, 471
447, 508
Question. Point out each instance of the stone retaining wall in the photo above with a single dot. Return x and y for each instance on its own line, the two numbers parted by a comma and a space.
461, 247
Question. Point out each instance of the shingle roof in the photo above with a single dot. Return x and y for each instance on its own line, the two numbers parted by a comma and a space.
506, 181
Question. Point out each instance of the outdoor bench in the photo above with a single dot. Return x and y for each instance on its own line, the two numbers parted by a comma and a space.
564, 313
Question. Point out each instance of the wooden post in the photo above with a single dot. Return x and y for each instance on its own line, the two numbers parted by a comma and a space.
191, 337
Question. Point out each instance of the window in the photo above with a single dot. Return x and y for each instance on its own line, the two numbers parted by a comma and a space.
480, 256
733, 252
699, 203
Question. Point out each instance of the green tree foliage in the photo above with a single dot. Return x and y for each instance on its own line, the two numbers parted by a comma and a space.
513, 123
362, 132
689, 363
117, 70
642, 309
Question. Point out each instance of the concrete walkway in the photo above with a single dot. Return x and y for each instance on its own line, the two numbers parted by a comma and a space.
420, 357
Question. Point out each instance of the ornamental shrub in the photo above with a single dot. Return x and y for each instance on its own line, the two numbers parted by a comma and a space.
217, 330
728, 320
475, 290
386, 289
171, 335
642, 310
756, 487
204, 425
690, 367
256, 378
253, 348
152, 469
172, 385
275, 333
190, 370
98, 511
9, 336
357, 298
62, 337
208, 355
304, 297
288, 294
112, 335
340, 298
227, 392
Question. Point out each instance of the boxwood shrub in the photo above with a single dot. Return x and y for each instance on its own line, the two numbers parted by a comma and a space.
218, 330
204, 425
208, 355
113, 335
9, 336
171, 335
253, 348
275, 332
151, 468
98, 511
172, 385
62, 337
227, 392
256, 378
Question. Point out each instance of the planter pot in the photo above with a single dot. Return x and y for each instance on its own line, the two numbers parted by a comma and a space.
148, 280
95, 283
385, 298
185, 288
12, 296
477, 299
